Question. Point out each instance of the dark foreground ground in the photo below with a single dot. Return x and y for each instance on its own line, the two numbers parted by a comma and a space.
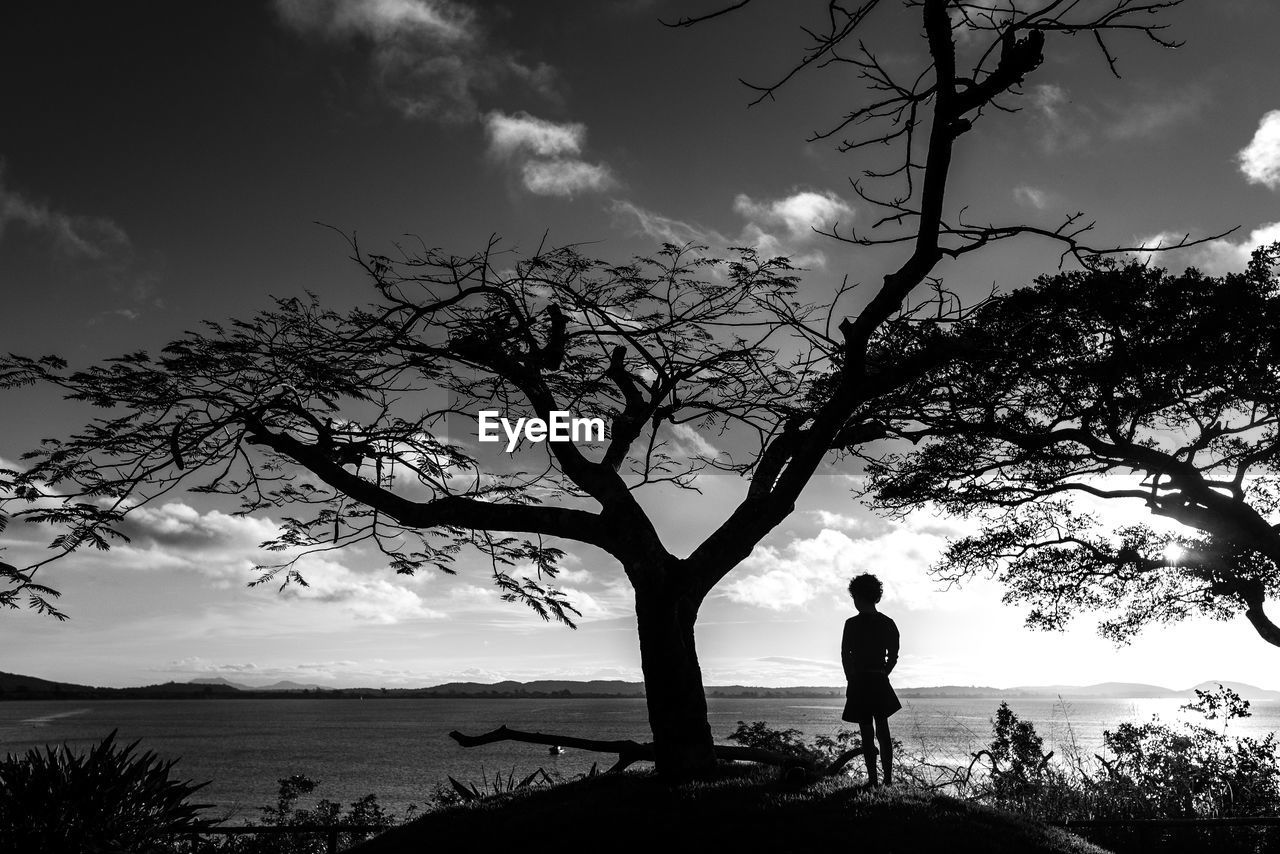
748, 812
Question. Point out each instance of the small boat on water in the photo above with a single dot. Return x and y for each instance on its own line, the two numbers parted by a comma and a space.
556, 750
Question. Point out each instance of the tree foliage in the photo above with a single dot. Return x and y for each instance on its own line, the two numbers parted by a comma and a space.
335, 421
339, 422
1120, 383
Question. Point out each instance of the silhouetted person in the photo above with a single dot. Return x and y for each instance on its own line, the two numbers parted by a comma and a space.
868, 651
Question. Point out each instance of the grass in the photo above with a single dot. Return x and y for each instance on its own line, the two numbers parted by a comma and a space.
744, 811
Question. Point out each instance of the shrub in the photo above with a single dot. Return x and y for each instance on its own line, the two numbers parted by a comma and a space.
788, 742
824, 750
1190, 770
1153, 770
107, 800
326, 813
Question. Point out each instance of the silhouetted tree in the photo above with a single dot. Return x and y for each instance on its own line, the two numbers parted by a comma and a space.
327, 416
1121, 383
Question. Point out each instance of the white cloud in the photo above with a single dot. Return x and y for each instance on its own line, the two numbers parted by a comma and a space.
782, 226
867, 525
799, 213
788, 578
1033, 196
431, 58
781, 579
1216, 257
509, 135
546, 154
438, 20
562, 177
226, 548
367, 598
690, 442
597, 606
1260, 159
665, 228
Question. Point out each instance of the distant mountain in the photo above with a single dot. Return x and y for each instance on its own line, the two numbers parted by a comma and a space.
951, 691
17, 687
283, 685
286, 685
218, 680
182, 688
1103, 690
1248, 692
597, 687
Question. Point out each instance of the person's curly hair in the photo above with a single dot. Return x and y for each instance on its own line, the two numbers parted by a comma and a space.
866, 586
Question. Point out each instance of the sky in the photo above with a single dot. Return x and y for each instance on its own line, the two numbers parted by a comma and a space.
163, 164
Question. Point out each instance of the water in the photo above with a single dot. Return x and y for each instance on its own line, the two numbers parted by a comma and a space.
400, 749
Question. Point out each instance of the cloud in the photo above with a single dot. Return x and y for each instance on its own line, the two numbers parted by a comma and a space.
1216, 257
799, 213
546, 154
868, 526
689, 442
345, 673
1149, 117
431, 58
1066, 125
790, 577
436, 20
1033, 196
226, 548
666, 229
782, 226
773, 670
376, 600
510, 135
781, 579
565, 177
74, 237
1260, 159
1061, 127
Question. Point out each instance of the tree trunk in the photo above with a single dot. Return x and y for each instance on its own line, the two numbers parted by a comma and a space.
683, 747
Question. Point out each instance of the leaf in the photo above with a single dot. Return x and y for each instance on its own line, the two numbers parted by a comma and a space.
463, 792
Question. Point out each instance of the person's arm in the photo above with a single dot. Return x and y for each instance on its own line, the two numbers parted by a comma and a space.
892, 657
846, 650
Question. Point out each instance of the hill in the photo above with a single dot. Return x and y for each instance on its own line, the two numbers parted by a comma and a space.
283, 685
13, 682
746, 812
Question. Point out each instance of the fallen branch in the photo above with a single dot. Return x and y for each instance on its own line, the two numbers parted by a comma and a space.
630, 751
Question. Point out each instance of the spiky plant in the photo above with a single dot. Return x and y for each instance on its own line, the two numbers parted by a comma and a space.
110, 799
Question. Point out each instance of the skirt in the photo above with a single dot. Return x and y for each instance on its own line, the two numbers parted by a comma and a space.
870, 696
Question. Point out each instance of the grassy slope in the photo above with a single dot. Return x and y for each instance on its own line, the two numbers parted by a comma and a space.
743, 813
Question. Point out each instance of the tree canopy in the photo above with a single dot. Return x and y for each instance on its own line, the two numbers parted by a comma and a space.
359, 426
1119, 383
337, 420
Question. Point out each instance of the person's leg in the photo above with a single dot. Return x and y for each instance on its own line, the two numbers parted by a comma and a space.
886, 747
869, 749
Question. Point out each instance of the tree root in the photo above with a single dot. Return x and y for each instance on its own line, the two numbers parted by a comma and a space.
630, 752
